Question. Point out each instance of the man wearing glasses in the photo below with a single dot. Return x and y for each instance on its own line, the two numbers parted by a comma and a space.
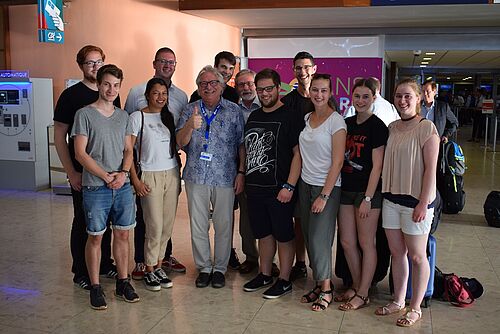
210, 131
272, 170
225, 63
164, 64
249, 102
298, 101
89, 59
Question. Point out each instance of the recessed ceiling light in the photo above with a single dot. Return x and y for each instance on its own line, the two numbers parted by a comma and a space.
448, 78
427, 58
430, 53
424, 63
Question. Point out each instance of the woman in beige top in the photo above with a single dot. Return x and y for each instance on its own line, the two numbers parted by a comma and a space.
409, 189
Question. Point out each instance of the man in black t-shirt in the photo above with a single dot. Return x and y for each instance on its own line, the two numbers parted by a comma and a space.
90, 58
225, 63
272, 170
298, 101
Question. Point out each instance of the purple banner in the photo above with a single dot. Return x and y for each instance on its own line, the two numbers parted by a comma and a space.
344, 72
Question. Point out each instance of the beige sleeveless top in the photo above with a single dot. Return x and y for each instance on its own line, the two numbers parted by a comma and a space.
403, 169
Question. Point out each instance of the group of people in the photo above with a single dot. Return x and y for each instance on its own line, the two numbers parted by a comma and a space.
294, 165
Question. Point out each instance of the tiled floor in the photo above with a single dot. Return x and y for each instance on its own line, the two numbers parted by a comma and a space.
37, 294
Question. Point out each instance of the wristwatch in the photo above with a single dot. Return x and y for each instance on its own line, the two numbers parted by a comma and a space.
368, 199
288, 187
126, 172
324, 197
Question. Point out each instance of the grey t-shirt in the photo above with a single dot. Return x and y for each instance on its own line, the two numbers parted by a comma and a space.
106, 139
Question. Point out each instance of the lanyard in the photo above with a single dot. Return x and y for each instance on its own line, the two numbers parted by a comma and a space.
208, 120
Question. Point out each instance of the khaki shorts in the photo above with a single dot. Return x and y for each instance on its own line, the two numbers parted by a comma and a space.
398, 217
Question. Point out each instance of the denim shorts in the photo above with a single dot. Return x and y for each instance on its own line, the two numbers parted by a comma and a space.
100, 202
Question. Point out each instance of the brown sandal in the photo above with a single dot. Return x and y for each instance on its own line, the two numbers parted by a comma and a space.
349, 307
388, 310
343, 298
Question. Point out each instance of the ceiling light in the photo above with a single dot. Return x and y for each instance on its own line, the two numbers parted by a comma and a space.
430, 53
425, 63
427, 58
429, 78
448, 78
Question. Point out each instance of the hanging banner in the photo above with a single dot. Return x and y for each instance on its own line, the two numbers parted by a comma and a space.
50, 21
344, 72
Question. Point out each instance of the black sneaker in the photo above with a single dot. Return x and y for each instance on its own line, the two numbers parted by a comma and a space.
260, 281
280, 288
299, 270
126, 291
82, 282
112, 272
203, 280
234, 262
97, 300
151, 281
165, 282
218, 280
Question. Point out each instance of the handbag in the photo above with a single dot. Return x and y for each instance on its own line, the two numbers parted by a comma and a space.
137, 155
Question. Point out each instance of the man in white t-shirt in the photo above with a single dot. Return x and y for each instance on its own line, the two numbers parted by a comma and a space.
164, 64
382, 108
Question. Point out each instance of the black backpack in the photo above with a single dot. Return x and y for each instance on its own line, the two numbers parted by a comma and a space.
492, 209
450, 177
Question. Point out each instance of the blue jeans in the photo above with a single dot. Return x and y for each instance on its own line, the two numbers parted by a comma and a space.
100, 202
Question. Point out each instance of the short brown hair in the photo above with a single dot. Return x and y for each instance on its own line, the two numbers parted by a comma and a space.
82, 54
109, 69
430, 82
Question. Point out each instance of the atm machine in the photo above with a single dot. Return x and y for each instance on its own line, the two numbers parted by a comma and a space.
26, 109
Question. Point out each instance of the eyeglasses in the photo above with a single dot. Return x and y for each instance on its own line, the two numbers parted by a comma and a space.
243, 84
212, 83
92, 63
300, 68
268, 89
166, 62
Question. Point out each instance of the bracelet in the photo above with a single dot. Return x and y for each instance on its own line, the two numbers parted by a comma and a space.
288, 186
241, 172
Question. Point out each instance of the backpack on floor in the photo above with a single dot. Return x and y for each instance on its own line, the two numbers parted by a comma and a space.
456, 292
492, 209
459, 291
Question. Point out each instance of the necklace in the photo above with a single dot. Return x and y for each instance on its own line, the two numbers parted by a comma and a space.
409, 119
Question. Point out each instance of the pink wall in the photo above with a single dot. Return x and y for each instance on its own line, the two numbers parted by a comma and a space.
129, 31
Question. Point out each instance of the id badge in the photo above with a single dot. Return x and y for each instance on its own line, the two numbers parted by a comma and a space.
206, 156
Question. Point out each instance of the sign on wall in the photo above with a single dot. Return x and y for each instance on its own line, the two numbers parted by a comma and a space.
50, 21
344, 72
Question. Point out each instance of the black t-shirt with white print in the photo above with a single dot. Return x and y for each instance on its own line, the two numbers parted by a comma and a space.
361, 140
269, 142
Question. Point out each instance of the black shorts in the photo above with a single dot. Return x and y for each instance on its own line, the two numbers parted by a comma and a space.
268, 216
